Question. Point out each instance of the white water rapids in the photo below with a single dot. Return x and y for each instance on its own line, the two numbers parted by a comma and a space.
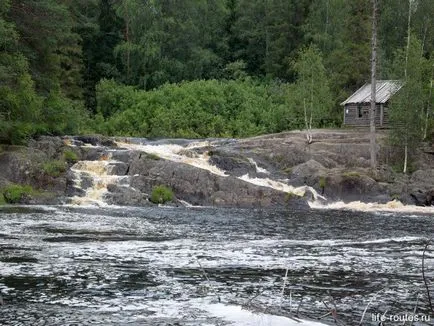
99, 172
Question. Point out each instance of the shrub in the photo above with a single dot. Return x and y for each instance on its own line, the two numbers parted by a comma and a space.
152, 156
352, 174
322, 182
15, 193
54, 168
70, 156
161, 195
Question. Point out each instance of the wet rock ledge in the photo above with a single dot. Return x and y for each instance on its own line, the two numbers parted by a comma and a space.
336, 165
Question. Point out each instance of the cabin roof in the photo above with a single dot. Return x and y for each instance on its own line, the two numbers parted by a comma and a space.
385, 89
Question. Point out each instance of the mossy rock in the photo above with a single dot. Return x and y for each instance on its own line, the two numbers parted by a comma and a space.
14, 193
152, 156
351, 174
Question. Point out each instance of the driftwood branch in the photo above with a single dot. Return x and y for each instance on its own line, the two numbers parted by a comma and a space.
424, 277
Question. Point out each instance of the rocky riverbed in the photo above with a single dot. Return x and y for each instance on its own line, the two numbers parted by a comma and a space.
279, 170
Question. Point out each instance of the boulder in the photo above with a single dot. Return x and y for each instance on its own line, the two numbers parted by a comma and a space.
307, 173
233, 164
122, 195
354, 186
420, 185
201, 187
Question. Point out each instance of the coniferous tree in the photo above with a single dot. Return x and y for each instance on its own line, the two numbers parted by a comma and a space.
19, 104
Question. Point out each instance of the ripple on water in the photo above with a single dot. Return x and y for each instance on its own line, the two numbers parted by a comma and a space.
160, 267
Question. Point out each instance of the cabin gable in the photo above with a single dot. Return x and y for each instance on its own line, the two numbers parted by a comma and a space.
357, 106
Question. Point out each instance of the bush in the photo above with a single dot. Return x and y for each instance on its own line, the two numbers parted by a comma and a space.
351, 174
54, 168
15, 193
152, 156
161, 195
70, 156
322, 182
196, 109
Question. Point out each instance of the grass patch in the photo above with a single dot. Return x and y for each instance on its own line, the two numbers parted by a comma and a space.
14, 193
161, 195
70, 156
395, 196
54, 168
287, 170
152, 156
351, 174
290, 196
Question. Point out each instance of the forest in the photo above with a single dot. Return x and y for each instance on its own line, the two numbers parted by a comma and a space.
205, 68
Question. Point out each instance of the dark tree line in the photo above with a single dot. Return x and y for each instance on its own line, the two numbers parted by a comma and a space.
54, 55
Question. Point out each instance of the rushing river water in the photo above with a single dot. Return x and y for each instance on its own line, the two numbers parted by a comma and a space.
206, 266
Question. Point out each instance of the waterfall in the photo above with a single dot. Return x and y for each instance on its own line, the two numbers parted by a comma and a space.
93, 177
179, 154
282, 186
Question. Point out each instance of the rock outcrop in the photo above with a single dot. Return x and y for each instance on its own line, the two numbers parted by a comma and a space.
335, 165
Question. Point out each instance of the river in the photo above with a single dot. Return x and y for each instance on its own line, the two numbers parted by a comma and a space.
70, 265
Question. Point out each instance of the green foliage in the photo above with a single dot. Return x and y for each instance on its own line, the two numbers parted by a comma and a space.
111, 98
322, 182
54, 168
312, 93
407, 109
15, 193
234, 108
152, 156
70, 156
161, 194
291, 196
217, 68
351, 174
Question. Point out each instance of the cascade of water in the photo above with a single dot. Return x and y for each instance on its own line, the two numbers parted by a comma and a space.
257, 167
98, 174
179, 154
391, 206
282, 186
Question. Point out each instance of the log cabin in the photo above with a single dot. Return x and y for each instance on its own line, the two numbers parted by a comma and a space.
356, 107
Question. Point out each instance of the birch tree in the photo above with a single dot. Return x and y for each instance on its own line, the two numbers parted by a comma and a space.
312, 89
407, 107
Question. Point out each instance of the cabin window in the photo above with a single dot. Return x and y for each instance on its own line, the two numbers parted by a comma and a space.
359, 110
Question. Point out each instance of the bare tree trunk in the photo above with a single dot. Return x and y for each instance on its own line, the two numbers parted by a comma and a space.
404, 170
326, 25
127, 37
307, 123
428, 107
408, 38
372, 111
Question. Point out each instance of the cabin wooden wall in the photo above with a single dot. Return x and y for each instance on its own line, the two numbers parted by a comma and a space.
351, 115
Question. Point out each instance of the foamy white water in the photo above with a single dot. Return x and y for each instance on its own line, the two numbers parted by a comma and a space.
281, 186
258, 168
174, 153
236, 315
98, 171
392, 206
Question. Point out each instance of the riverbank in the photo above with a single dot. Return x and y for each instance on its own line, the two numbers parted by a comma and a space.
278, 170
